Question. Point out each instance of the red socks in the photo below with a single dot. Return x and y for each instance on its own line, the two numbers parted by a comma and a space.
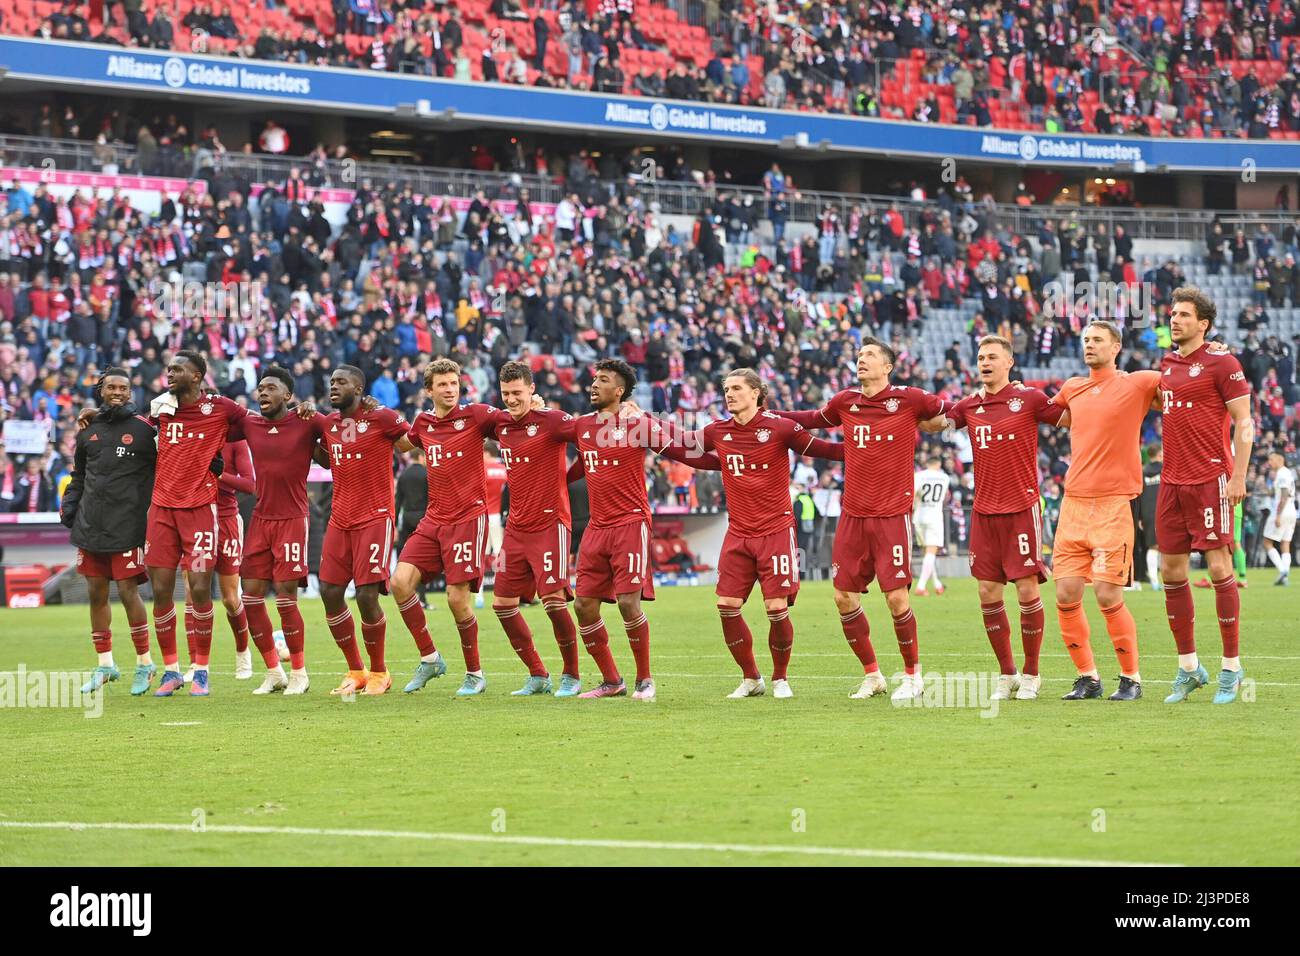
468, 629
566, 635
415, 621
202, 633
521, 638
372, 632
191, 635
344, 630
998, 629
294, 631
259, 627
780, 641
1031, 634
140, 637
1182, 614
103, 641
857, 631
239, 625
638, 636
596, 639
164, 626
905, 632
739, 640
1228, 604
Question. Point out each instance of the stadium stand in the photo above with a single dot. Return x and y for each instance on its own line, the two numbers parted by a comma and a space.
1199, 68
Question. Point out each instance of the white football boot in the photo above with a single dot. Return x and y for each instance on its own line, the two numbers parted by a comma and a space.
298, 683
1008, 684
749, 688
243, 665
909, 688
274, 680
1028, 687
872, 685
781, 689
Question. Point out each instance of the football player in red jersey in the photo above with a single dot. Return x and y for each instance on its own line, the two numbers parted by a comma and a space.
535, 551
753, 447
359, 537
873, 539
614, 560
183, 523
1203, 391
1006, 539
275, 545
451, 539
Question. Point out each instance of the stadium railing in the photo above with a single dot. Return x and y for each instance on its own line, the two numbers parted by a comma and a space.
681, 198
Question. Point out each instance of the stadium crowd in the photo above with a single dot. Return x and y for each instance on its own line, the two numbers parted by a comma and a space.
1188, 69
407, 279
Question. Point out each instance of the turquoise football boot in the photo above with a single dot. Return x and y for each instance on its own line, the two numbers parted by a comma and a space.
1229, 684
1186, 682
532, 687
99, 677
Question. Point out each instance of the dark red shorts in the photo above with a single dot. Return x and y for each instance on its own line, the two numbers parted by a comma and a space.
867, 549
184, 538
614, 561
1193, 517
772, 561
359, 554
1007, 547
275, 549
534, 562
456, 551
126, 566
230, 543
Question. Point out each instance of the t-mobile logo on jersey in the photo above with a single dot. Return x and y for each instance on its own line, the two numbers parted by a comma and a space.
590, 459
437, 456
176, 431
736, 464
862, 435
510, 459
984, 435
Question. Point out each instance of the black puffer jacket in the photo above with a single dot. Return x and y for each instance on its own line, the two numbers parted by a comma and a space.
107, 501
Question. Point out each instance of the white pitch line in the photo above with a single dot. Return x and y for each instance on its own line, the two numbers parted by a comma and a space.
180, 723
744, 848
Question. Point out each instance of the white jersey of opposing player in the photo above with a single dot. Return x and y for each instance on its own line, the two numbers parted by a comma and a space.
1284, 482
1280, 525
931, 486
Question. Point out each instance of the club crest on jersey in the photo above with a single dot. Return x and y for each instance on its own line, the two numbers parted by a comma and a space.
762, 434
363, 427
460, 424
206, 408
1015, 404
891, 405
127, 439
1195, 370
532, 430
618, 433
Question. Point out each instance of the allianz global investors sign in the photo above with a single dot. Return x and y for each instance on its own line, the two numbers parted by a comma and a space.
177, 73
1029, 148
659, 116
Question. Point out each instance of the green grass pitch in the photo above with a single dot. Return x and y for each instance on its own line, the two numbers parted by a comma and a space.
690, 779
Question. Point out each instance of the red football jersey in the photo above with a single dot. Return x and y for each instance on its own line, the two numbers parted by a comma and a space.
880, 438
1004, 443
612, 452
533, 451
361, 456
755, 460
453, 447
236, 475
496, 481
187, 443
1195, 391
282, 453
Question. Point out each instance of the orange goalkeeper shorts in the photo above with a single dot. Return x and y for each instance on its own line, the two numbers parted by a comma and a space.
1094, 540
